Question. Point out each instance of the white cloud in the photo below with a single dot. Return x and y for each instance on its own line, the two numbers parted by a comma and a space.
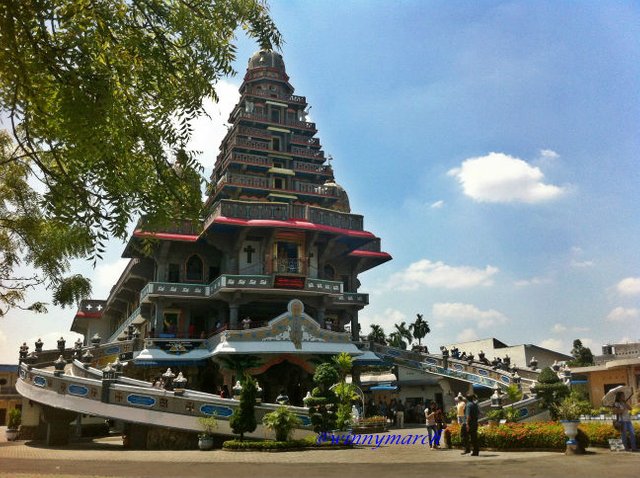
561, 328
553, 344
500, 178
386, 320
548, 154
105, 277
467, 335
629, 286
533, 281
582, 264
448, 311
558, 328
621, 314
438, 274
437, 204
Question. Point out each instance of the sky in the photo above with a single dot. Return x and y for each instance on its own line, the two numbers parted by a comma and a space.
493, 146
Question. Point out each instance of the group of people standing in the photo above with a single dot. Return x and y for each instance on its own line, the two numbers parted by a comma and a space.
467, 413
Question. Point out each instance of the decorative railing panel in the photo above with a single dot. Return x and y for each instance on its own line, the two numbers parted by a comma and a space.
322, 285
352, 298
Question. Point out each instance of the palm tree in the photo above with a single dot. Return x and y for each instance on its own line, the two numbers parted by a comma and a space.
343, 364
420, 328
395, 340
404, 332
377, 335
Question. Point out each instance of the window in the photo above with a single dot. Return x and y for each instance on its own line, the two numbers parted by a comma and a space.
214, 272
275, 144
174, 273
275, 115
278, 183
194, 268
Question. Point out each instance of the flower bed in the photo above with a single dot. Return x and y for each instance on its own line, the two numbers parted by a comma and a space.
370, 425
267, 445
513, 436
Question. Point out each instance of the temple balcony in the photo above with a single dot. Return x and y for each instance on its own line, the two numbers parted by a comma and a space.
304, 140
304, 167
249, 210
300, 188
171, 289
307, 152
251, 144
295, 99
260, 162
261, 118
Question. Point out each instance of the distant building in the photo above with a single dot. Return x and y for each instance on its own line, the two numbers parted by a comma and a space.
9, 397
619, 364
520, 355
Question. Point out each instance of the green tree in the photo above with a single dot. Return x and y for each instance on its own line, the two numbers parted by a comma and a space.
582, 356
550, 389
404, 332
243, 419
395, 340
343, 363
323, 400
420, 328
100, 98
377, 335
240, 364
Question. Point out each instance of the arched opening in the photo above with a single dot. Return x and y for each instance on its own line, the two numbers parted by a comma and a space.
291, 378
194, 268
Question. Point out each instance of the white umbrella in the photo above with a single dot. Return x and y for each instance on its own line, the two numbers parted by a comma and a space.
610, 396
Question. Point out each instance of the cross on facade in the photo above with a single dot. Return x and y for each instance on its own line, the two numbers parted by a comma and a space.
249, 250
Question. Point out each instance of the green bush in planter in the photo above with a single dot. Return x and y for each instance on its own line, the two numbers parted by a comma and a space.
243, 419
15, 419
282, 422
209, 426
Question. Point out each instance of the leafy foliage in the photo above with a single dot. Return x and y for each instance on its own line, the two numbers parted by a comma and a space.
267, 445
582, 356
323, 400
282, 421
243, 419
15, 419
395, 340
377, 335
571, 408
550, 389
209, 425
101, 97
514, 393
420, 328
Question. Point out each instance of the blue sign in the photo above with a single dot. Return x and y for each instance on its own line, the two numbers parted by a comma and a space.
141, 400
523, 412
431, 361
484, 373
457, 366
79, 390
112, 350
217, 410
39, 381
505, 379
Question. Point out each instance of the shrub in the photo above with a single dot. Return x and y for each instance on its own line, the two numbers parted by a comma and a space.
495, 415
599, 433
282, 421
571, 408
15, 418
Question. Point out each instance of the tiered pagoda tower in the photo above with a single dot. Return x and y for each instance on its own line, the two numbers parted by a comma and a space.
277, 227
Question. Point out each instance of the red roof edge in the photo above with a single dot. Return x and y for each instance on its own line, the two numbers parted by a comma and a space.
292, 223
166, 235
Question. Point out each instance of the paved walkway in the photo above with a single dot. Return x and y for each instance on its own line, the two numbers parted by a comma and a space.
106, 457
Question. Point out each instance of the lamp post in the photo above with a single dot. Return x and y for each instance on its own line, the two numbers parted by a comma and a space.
96, 339
39, 344
168, 377
496, 398
58, 366
179, 384
237, 390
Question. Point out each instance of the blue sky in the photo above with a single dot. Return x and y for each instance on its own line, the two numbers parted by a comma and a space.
493, 146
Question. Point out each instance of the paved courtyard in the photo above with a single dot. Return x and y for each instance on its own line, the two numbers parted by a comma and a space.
106, 457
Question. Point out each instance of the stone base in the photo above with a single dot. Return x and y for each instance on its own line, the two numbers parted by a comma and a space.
574, 449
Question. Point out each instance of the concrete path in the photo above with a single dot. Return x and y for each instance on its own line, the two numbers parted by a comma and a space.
106, 457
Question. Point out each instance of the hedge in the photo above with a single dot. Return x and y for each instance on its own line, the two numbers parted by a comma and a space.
532, 435
265, 445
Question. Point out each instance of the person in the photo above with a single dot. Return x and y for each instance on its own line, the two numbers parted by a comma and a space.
246, 323
382, 407
400, 414
430, 420
472, 412
440, 424
621, 408
224, 393
460, 415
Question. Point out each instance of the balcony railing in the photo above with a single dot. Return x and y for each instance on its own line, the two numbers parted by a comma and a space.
266, 119
304, 140
284, 212
253, 159
314, 189
173, 290
352, 298
309, 153
276, 96
128, 321
244, 180
312, 168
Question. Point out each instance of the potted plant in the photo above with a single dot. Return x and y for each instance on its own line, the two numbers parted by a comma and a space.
568, 412
282, 422
209, 426
13, 424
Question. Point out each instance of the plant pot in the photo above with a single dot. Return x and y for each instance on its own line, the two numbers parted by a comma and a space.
205, 442
571, 430
12, 434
